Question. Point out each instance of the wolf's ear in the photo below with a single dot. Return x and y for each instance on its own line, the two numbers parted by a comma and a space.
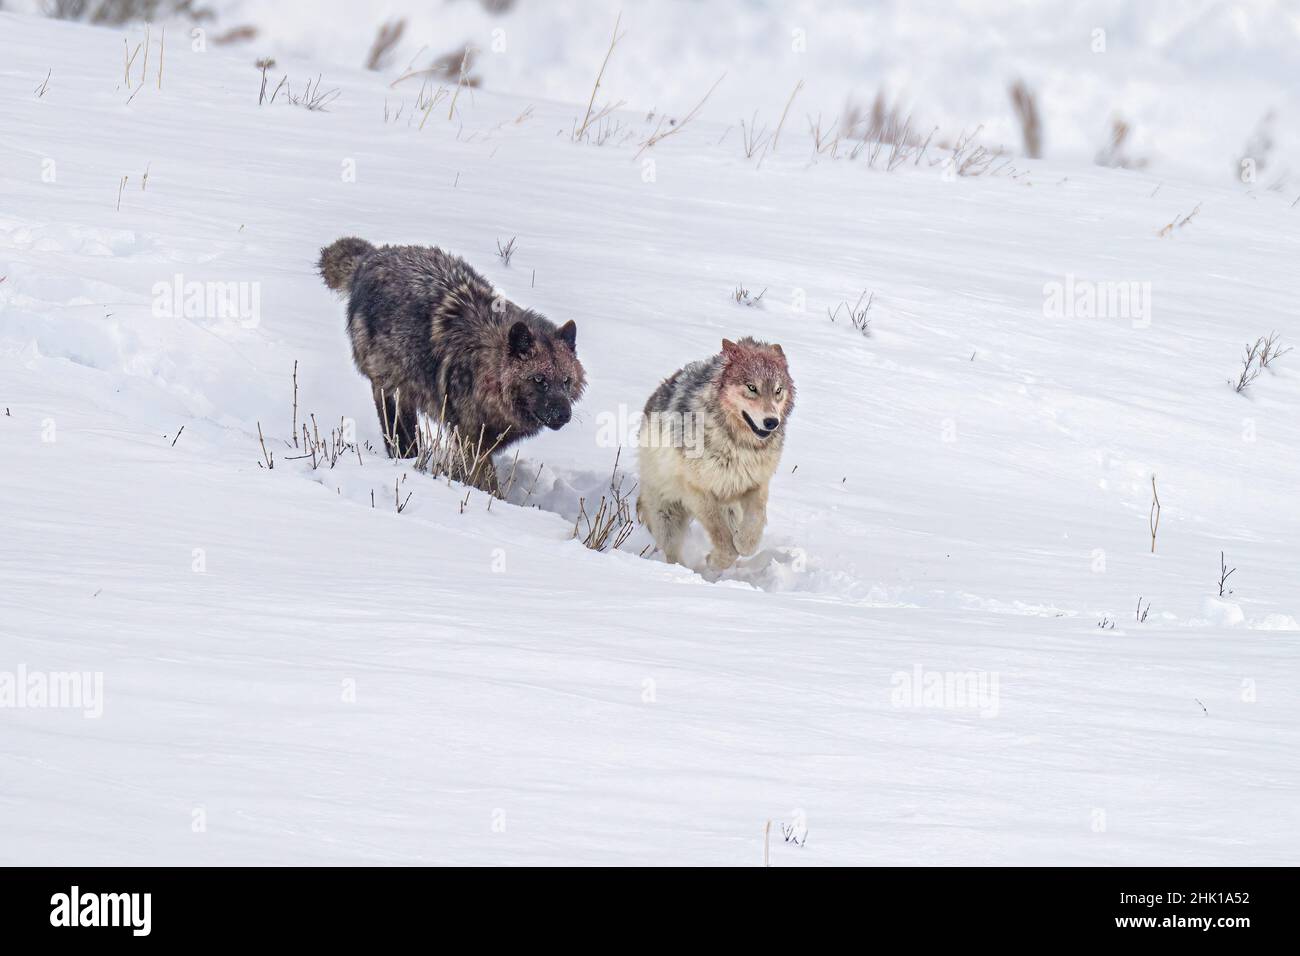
521, 339
778, 350
728, 347
568, 333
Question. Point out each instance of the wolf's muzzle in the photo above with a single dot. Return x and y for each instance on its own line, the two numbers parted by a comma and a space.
760, 432
557, 418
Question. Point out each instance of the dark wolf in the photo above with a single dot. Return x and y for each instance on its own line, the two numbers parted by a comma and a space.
433, 336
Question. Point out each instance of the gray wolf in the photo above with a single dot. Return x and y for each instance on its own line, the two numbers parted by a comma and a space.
734, 406
433, 336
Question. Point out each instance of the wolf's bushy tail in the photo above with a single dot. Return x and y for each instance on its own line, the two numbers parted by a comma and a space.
340, 259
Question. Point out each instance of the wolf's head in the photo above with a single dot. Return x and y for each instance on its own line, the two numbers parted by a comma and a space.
543, 377
755, 390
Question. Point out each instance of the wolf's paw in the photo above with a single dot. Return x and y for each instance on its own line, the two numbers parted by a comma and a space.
748, 537
722, 558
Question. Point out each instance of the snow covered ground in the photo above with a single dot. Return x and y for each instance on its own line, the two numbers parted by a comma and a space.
918, 668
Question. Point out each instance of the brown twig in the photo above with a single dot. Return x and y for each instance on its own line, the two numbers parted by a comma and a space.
660, 134
777, 135
1154, 518
588, 118
267, 456
1224, 574
613, 523
460, 81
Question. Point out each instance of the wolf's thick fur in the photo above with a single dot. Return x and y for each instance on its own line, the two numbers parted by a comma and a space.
735, 404
433, 336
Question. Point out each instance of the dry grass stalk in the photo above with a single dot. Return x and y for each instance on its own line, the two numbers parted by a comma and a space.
969, 158
443, 452
457, 64
1031, 126
239, 34
776, 137
386, 40
129, 56
462, 79
886, 123
1178, 222
1250, 367
264, 64
313, 98
827, 141
504, 253
267, 456
430, 103
660, 134
857, 313
591, 117
613, 521
1271, 348
1224, 573
1258, 356
752, 138
1154, 518
1114, 153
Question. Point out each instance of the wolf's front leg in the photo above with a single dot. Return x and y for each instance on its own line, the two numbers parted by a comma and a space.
667, 522
713, 515
399, 423
753, 520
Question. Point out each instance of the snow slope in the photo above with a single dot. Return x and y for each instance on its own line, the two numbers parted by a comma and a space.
1201, 83
292, 675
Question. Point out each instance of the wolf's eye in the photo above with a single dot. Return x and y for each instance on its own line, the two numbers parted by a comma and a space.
751, 388
539, 379
778, 389
566, 380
